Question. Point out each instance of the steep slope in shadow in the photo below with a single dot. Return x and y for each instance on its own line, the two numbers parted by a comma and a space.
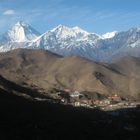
13, 88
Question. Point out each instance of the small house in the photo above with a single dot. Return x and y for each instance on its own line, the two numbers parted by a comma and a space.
77, 103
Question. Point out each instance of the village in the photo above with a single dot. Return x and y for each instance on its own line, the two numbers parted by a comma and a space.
92, 100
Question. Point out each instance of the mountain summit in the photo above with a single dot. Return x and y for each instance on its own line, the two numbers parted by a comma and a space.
21, 32
64, 31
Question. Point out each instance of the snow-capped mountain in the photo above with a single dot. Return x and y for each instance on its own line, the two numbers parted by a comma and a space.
17, 36
68, 41
73, 41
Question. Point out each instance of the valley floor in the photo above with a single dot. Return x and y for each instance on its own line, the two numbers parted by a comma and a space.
36, 120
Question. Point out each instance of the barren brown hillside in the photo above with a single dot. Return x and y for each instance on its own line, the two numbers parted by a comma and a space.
46, 70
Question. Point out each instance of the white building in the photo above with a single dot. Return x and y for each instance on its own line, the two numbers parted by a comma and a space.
75, 94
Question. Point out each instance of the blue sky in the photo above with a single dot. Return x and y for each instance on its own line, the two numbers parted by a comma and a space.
98, 16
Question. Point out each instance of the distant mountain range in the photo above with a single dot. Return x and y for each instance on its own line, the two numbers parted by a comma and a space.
73, 42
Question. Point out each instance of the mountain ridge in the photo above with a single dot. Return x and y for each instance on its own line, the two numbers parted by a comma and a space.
73, 41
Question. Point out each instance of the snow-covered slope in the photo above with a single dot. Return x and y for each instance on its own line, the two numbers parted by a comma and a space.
109, 35
72, 41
